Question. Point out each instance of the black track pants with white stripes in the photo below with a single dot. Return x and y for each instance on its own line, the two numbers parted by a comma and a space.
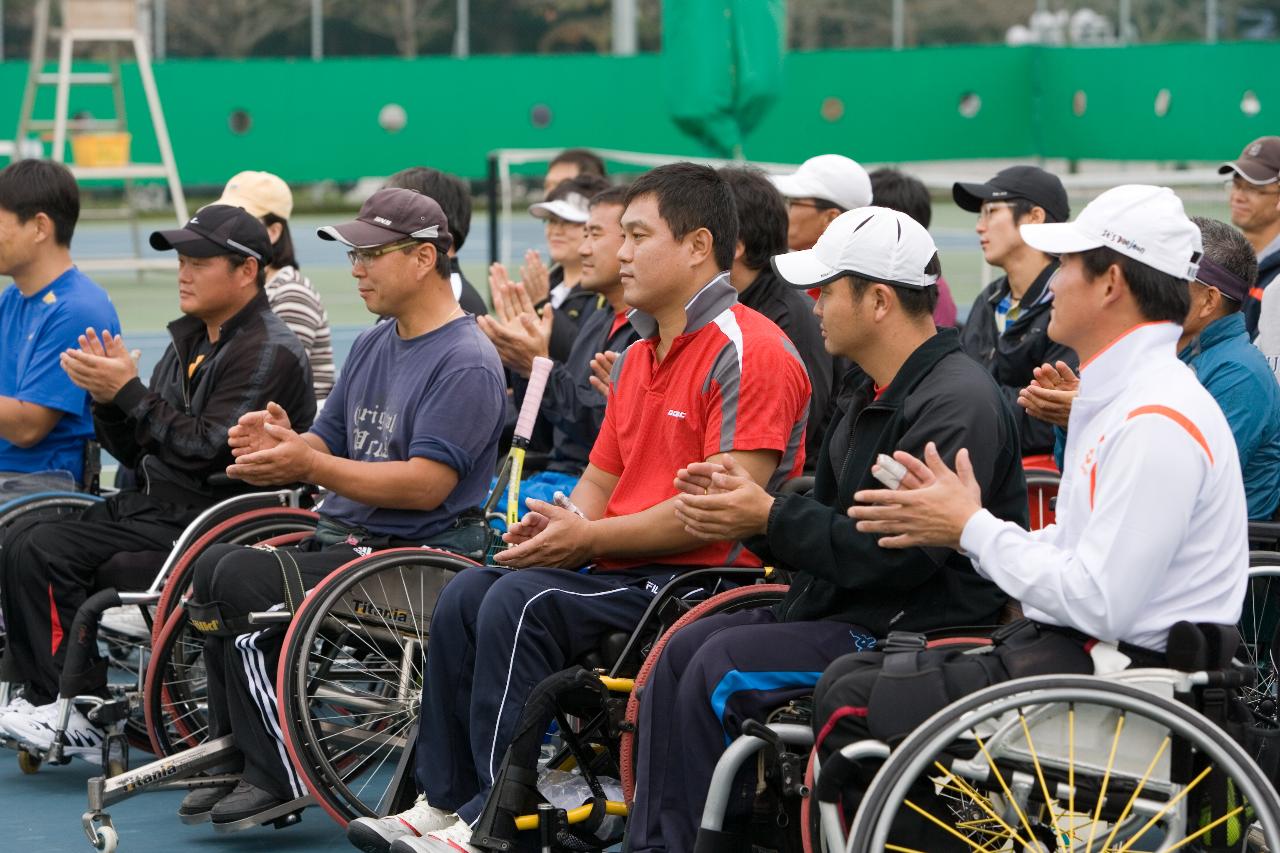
242, 670
495, 634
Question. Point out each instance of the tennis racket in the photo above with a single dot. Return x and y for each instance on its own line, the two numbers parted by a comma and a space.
513, 466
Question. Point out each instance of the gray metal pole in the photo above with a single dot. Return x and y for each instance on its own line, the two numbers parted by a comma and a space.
2, 43
899, 24
317, 30
1211, 21
1122, 36
624, 28
160, 29
462, 30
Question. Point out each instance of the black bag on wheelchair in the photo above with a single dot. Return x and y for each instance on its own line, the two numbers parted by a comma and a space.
888, 693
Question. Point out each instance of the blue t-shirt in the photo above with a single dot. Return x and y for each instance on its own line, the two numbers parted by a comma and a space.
439, 396
34, 330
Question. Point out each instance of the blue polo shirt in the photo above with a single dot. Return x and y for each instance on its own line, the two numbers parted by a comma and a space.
34, 330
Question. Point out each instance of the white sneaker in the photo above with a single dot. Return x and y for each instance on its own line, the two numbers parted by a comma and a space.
126, 621
376, 834
455, 838
37, 728
18, 705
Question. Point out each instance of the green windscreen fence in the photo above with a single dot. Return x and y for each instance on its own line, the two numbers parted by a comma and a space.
311, 121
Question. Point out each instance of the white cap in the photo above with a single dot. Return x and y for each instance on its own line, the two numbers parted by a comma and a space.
575, 207
1142, 222
871, 242
830, 177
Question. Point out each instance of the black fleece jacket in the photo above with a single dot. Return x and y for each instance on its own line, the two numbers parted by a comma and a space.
173, 432
1010, 356
939, 395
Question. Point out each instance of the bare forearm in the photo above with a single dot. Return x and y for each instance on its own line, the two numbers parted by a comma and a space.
393, 485
25, 424
652, 533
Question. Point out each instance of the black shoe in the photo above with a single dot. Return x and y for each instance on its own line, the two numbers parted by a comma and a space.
199, 801
244, 802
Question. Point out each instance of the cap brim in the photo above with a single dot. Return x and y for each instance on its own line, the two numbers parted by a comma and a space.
970, 196
803, 270
560, 209
1058, 238
1242, 169
186, 242
359, 235
795, 186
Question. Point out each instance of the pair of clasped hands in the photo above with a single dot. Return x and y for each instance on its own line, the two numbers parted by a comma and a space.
101, 366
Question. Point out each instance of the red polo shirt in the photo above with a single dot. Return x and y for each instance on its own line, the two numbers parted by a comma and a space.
732, 381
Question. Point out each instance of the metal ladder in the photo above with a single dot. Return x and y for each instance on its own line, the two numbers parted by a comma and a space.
110, 22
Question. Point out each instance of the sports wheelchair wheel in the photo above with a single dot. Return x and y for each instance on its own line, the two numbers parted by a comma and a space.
245, 528
739, 598
350, 680
1067, 763
1259, 631
174, 701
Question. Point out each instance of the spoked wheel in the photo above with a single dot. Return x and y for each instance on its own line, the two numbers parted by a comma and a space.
176, 706
1259, 632
350, 679
1061, 763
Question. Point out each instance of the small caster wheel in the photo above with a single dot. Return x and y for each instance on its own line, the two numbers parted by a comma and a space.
107, 839
29, 762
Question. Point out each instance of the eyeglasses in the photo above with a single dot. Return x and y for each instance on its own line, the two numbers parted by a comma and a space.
363, 257
1240, 185
815, 203
987, 210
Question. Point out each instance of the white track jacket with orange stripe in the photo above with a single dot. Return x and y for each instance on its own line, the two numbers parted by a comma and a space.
1151, 520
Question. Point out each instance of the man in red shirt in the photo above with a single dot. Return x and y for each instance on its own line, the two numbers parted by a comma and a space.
708, 376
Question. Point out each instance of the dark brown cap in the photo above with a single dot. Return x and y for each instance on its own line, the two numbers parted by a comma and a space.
1258, 163
390, 215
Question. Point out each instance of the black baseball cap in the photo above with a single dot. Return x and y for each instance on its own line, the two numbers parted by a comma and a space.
1259, 162
218, 229
393, 214
1041, 188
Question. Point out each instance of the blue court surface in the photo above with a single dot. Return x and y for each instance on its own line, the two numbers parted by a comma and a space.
41, 814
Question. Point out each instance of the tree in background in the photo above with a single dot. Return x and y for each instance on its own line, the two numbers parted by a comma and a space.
232, 28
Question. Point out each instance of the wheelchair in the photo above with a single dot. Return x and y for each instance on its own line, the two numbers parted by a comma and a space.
124, 624
1051, 763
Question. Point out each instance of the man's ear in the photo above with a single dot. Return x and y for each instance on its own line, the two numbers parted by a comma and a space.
1035, 216
829, 215
739, 250
46, 231
701, 245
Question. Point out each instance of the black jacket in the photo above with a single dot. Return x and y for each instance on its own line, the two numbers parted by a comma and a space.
573, 408
1268, 269
173, 432
564, 328
792, 311
1024, 346
939, 395
470, 299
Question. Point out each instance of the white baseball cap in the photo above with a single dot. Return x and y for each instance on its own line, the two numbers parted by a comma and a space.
830, 177
574, 207
1141, 222
874, 243
259, 193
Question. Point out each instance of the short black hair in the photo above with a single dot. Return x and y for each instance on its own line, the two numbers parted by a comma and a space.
762, 215
915, 301
585, 185
690, 197
1228, 248
612, 195
903, 193
235, 261
282, 252
449, 191
588, 162
1160, 296
29, 187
